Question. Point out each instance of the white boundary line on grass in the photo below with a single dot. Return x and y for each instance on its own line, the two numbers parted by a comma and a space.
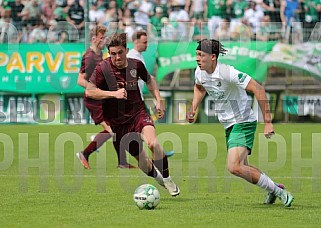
137, 176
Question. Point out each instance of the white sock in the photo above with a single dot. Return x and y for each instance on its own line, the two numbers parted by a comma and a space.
167, 178
266, 183
277, 190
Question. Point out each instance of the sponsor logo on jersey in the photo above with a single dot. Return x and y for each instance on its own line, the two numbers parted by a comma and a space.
217, 94
148, 120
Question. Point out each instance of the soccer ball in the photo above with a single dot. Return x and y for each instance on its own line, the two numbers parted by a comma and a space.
146, 196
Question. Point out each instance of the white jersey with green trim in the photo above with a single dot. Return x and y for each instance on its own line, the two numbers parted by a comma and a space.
226, 86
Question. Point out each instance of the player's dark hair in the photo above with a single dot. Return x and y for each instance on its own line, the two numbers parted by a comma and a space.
211, 47
138, 34
118, 39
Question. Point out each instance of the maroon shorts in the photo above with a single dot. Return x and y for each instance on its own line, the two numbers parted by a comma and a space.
128, 136
95, 109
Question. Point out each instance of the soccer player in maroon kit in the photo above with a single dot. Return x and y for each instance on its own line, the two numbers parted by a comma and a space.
115, 82
89, 61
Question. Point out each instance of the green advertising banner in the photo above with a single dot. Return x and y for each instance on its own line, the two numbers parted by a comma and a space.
48, 68
290, 104
53, 68
40, 68
244, 56
173, 56
305, 57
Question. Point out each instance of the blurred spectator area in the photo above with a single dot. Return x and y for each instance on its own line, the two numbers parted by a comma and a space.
34, 21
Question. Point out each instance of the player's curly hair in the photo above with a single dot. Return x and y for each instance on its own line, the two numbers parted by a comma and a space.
118, 39
211, 47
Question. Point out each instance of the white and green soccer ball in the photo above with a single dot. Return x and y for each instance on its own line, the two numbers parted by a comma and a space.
146, 196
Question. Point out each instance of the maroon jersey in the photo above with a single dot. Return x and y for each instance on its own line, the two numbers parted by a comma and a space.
110, 78
88, 63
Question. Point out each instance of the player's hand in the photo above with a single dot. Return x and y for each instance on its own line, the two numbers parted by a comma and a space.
268, 130
121, 94
160, 110
190, 117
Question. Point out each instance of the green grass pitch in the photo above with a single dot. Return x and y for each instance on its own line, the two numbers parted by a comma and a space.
44, 185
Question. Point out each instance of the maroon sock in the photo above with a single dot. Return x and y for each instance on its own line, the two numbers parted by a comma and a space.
162, 166
152, 173
98, 141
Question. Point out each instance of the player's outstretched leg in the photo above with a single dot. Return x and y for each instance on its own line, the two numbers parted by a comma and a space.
160, 160
147, 166
99, 140
277, 190
167, 182
162, 166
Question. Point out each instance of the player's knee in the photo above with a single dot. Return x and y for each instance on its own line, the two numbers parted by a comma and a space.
152, 144
234, 169
108, 135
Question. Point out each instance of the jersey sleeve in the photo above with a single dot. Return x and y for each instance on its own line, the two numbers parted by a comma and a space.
239, 78
82, 66
198, 78
86, 62
143, 73
98, 78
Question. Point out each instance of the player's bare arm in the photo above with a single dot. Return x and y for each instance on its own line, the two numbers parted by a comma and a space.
93, 92
199, 93
153, 88
260, 94
82, 80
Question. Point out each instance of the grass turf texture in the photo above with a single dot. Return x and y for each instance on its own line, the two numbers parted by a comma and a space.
62, 194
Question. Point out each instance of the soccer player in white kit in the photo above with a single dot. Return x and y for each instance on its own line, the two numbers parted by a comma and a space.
228, 87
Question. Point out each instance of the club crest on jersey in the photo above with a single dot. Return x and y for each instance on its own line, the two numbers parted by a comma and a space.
241, 77
133, 73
